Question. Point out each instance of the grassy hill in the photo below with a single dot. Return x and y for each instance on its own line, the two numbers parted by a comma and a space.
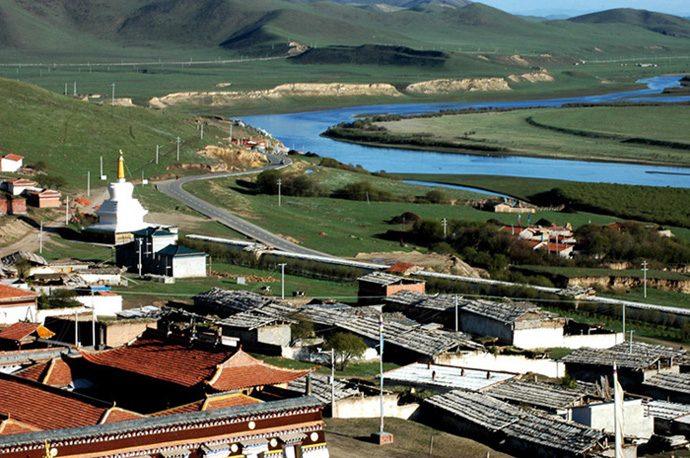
130, 28
664, 24
70, 135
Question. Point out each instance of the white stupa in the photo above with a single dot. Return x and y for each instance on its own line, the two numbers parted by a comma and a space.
121, 214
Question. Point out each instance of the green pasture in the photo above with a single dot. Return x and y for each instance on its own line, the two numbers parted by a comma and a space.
596, 133
350, 227
659, 205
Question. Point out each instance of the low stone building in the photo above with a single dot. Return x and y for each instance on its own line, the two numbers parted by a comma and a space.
378, 285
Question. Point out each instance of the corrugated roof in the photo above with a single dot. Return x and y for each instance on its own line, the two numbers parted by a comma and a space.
635, 355
321, 388
665, 410
538, 429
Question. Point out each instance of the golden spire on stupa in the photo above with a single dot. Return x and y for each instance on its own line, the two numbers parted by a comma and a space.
121, 168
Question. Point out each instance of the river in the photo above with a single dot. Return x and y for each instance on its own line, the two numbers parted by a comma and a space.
301, 131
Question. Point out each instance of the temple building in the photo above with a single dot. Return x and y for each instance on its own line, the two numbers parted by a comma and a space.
121, 214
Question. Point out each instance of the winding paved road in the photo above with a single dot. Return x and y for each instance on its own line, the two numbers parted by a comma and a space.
173, 188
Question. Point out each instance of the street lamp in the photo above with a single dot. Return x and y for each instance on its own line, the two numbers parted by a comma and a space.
282, 280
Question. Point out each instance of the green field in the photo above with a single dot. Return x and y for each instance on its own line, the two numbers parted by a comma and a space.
659, 205
642, 134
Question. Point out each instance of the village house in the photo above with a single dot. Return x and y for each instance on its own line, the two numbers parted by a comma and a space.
17, 305
378, 285
19, 186
668, 386
521, 432
46, 198
24, 335
154, 250
11, 162
520, 324
637, 363
637, 423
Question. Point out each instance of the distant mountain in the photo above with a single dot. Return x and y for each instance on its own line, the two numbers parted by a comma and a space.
406, 4
664, 24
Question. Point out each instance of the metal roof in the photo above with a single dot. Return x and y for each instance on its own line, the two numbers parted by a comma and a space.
539, 394
321, 388
665, 410
381, 278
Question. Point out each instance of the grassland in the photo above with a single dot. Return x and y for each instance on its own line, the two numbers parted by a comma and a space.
645, 203
350, 226
637, 134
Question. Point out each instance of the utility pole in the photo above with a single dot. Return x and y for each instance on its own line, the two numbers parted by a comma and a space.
139, 265
112, 100
644, 278
75, 88
445, 224
40, 239
76, 328
178, 149
157, 146
88, 183
456, 313
67, 210
332, 383
101, 175
623, 322
280, 182
282, 280
202, 131
631, 340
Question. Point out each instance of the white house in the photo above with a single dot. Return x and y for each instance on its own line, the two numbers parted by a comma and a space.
105, 303
17, 305
11, 162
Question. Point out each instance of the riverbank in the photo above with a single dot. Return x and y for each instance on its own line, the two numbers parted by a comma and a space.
646, 134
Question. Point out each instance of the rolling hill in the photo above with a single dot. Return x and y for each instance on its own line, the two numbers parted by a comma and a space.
69, 29
664, 24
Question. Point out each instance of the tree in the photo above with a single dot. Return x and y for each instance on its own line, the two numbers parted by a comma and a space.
346, 346
60, 298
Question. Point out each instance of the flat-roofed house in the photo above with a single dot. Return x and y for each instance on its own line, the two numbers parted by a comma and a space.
375, 286
46, 198
11, 162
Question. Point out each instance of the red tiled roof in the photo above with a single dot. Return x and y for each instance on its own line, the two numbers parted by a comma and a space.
8, 292
22, 182
189, 365
400, 267
44, 407
115, 414
19, 331
13, 157
244, 371
228, 400
216, 401
55, 372
10, 426
162, 359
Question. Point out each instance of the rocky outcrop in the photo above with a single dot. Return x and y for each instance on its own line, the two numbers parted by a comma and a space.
221, 98
233, 158
616, 282
541, 76
447, 86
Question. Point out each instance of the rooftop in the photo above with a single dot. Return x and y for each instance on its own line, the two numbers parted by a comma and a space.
665, 410
446, 377
384, 279
321, 388
539, 429
679, 383
539, 394
55, 372
191, 364
635, 355
45, 407
8, 293
19, 331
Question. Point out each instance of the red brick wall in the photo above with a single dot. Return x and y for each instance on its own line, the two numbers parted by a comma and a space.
3, 206
17, 206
